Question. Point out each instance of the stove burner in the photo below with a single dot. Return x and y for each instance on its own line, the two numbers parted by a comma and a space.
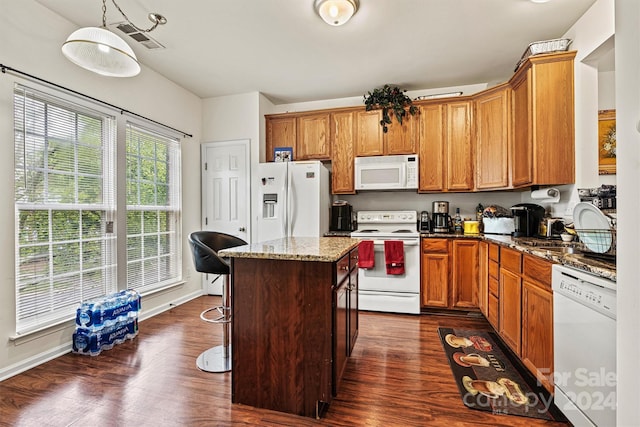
371, 230
403, 231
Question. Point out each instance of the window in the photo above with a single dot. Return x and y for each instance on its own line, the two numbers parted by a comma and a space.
64, 199
153, 209
66, 196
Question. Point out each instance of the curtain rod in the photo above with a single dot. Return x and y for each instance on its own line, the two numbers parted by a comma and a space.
5, 68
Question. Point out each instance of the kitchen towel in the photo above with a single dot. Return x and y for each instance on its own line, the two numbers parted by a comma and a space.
394, 256
366, 256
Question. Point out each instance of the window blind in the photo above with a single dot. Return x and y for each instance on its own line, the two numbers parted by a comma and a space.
154, 247
64, 199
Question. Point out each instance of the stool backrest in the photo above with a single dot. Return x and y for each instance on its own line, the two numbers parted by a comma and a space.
205, 246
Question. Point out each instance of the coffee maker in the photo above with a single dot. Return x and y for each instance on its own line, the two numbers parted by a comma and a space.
441, 221
341, 216
526, 219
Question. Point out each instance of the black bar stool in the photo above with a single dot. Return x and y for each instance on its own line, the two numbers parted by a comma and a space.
204, 248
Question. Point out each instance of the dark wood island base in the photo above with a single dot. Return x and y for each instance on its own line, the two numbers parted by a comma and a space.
288, 325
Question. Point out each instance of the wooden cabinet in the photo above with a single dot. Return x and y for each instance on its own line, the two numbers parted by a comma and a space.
435, 273
281, 132
313, 137
464, 279
342, 152
369, 141
537, 319
449, 273
543, 121
510, 298
493, 299
345, 314
294, 324
483, 278
446, 146
372, 141
493, 137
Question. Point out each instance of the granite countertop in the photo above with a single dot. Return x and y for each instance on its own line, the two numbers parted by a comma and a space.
323, 249
537, 247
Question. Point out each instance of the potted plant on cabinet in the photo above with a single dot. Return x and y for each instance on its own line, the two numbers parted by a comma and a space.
393, 101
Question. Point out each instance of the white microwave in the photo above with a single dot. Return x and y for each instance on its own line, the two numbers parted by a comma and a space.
387, 172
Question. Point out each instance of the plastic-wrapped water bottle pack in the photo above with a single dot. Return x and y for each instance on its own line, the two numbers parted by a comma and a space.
105, 322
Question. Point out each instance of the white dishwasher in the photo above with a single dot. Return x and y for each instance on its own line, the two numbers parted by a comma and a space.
584, 346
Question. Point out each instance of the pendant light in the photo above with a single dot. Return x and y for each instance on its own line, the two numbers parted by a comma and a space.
101, 51
336, 12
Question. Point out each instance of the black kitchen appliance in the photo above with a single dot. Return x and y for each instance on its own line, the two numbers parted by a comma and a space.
341, 216
526, 219
425, 222
441, 221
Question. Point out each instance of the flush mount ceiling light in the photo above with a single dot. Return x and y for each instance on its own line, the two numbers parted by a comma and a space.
336, 12
539, 1
101, 51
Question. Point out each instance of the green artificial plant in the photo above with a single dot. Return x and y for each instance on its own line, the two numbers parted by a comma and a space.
391, 100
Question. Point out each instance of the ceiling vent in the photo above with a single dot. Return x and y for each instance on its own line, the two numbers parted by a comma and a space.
140, 37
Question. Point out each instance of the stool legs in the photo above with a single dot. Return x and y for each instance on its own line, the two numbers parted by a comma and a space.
218, 358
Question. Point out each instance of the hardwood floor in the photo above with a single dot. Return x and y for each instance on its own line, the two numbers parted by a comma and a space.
398, 376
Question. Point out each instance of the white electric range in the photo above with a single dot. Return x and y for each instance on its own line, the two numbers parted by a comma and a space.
379, 291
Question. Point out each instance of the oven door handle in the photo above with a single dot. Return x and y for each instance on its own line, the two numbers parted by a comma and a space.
406, 242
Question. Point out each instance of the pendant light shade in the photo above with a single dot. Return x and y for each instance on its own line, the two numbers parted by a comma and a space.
101, 51
336, 12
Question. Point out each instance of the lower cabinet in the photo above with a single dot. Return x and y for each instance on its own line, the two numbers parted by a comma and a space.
520, 306
537, 319
345, 314
449, 273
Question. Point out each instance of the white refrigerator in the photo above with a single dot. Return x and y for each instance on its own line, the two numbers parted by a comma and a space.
293, 200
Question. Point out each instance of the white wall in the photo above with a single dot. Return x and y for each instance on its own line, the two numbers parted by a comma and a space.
627, 16
31, 37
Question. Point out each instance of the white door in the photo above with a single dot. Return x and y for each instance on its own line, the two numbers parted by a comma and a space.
226, 193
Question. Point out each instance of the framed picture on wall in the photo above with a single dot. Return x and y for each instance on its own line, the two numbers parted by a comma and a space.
283, 154
606, 142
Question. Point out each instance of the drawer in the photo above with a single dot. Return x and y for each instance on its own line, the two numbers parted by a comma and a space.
493, 286
353, 255
511, 260
537, 269
493, 269
435, 245
492, 311
494, 252
342, 269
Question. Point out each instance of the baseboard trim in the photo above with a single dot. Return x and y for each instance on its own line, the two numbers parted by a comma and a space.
62, 349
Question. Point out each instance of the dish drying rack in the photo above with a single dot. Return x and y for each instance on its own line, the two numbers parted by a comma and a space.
598, 243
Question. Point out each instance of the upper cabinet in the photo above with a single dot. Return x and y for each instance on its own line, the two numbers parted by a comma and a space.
543, 121
446, 146
281, 132
343, 137
313, 140
514, 135
372, 141
493, 137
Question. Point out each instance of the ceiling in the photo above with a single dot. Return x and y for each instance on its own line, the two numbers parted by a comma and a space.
283, 49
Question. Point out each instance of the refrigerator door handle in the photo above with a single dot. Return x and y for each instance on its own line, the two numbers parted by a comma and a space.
285, 208
292, 207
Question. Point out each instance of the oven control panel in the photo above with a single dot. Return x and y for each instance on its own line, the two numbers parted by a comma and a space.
396, 217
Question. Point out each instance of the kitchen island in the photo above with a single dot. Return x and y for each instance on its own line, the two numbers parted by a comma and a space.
294, 321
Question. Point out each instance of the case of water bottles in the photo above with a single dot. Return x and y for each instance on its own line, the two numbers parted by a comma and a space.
105, 322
